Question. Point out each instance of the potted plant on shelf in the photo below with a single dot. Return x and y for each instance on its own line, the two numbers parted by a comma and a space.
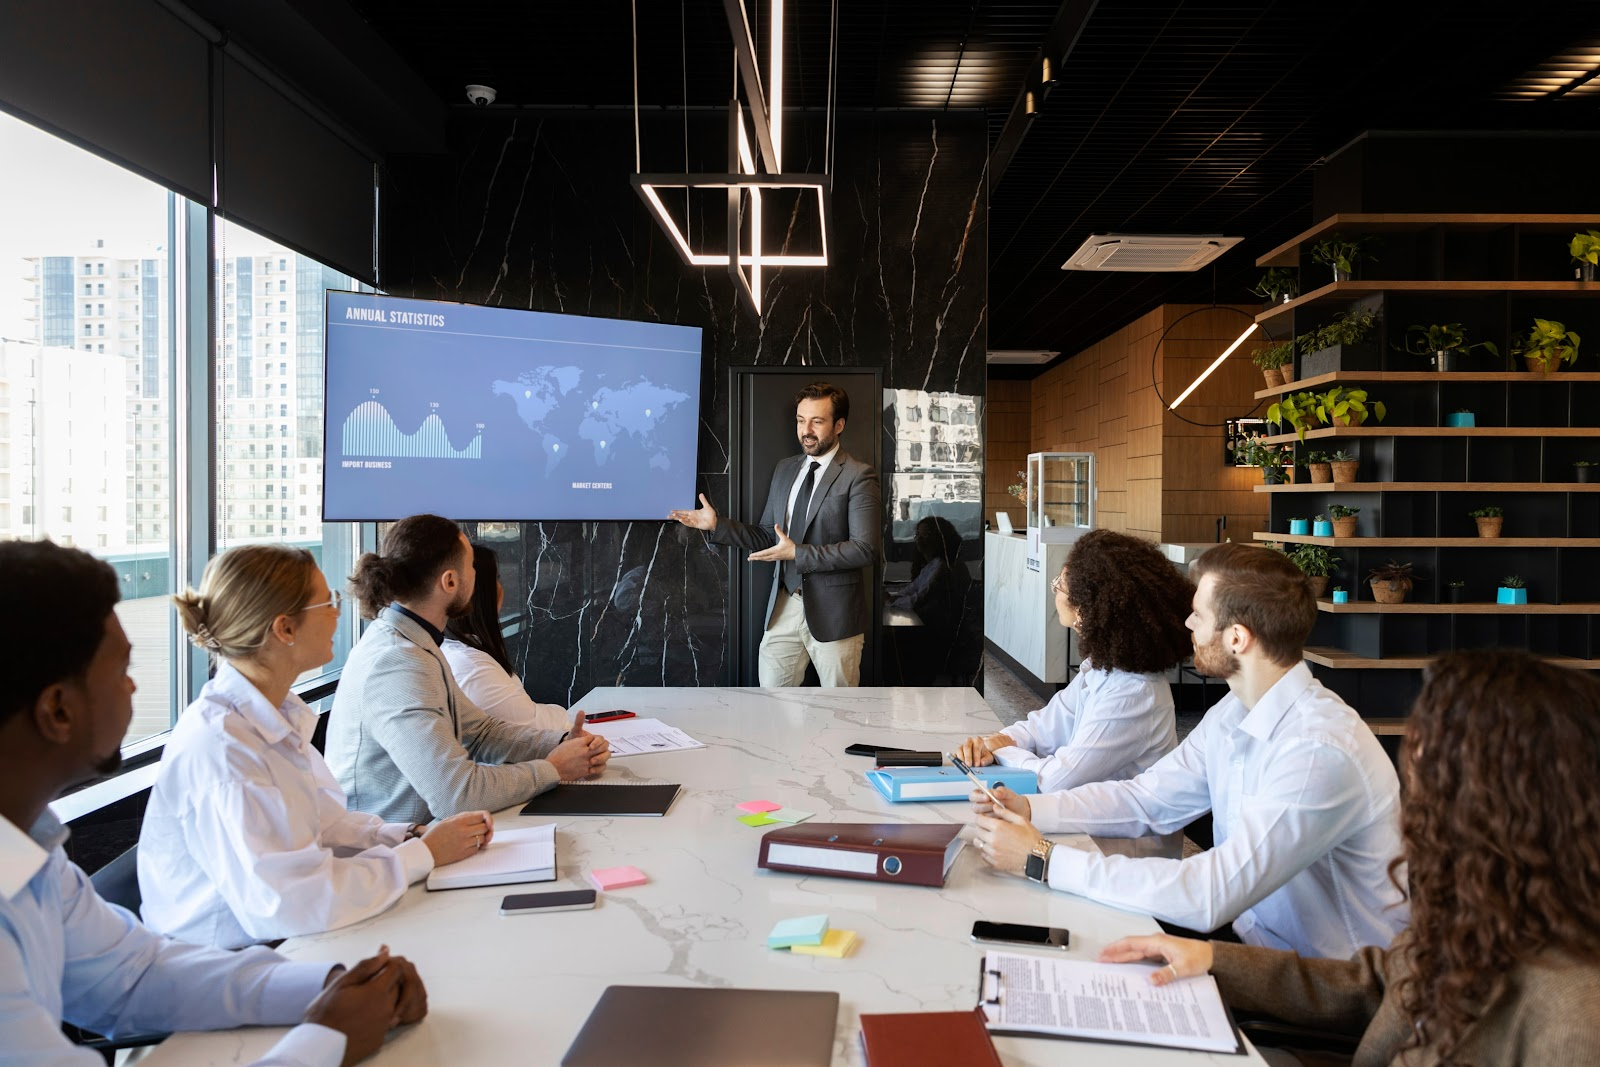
1461, 418
1546, 346
1276, 363
1347, 407
1345, 466
1343, 255
1513, 590
1444, 344
1299, 526
1585, 250
1270, 458
1340, 345
1344, 519
1317, 563
1391, 582
1317, 463
1340, 596
1456, 590
1020, 490
1277, 286
1491, 520
1321, 527
1583, 471
1298, 410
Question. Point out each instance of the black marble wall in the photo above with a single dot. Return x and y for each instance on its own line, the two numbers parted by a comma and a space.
538, 213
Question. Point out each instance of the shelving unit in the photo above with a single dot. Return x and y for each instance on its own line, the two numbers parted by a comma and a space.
1419, 478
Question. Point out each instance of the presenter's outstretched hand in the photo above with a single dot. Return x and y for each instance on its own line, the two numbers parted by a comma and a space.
1016, 804
783, 550
1184, 957
702, 518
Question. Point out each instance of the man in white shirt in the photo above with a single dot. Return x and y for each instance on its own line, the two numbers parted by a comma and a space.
1305, 803
65, 954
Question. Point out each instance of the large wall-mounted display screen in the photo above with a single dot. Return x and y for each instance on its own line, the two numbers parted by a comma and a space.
484, 413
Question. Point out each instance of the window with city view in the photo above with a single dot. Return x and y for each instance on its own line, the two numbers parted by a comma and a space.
85, 362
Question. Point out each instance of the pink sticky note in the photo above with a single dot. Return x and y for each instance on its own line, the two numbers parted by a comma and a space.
608, 878
755, 806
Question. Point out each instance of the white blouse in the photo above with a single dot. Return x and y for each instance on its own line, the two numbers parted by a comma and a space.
1104, 726
498, 692
246, 837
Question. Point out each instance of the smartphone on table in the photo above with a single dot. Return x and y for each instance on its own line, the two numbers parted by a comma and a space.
560, 900
606, 716
1020, 934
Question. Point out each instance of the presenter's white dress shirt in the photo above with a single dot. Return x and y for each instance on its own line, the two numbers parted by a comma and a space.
65, 954
1103, 727
497, 692
246, 837
1306, 821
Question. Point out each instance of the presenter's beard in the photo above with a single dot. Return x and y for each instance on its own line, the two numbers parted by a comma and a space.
817, 446
1213, 660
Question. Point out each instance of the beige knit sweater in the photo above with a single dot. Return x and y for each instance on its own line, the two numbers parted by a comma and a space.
1545, 1015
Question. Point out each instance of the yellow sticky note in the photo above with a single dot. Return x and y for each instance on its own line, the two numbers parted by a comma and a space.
835, 943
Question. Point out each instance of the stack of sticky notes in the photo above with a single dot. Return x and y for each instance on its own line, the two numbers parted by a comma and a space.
766, 813
608, 878
809, 935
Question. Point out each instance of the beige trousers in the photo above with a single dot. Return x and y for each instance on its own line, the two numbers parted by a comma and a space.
788, 646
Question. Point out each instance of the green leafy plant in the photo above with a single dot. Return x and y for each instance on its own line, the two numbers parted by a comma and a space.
1020, 489
1458, 584
1342, 456
1273, 356
1320, 518
1489, 511
1441, 337
1583, 463
1549, 342
1277, 284
1585, 247
1297, 409
1396, 574
1342, 511
1343, 254
1251, 452
1513, 581
1338, 589
1317, 457
1314, 560
1350, 405
1347, 328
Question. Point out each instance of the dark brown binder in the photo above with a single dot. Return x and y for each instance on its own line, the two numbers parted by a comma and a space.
916, 853
928, 1039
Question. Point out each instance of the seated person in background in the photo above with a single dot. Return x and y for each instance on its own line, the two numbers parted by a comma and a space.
476, 652
1127, 603
1305, 804
1501, 963
939, 584
246, 837
65, 954
405, 743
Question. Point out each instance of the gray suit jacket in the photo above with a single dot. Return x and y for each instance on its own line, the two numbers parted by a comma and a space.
841, 542
408, 746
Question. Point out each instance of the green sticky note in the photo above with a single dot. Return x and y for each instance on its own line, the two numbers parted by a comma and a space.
790, 815
757, 819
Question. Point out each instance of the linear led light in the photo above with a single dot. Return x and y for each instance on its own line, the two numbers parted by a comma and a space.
649, 184
1252, 328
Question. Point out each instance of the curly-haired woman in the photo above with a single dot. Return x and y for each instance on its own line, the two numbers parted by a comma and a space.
1127, 604
1501, 823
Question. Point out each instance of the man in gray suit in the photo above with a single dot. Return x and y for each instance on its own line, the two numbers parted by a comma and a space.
822, 525
405, 743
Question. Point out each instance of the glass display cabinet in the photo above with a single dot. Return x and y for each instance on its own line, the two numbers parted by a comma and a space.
1060, 494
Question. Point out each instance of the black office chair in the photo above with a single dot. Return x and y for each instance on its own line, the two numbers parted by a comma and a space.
117, 883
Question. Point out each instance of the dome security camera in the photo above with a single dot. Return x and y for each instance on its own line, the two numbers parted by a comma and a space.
480, 95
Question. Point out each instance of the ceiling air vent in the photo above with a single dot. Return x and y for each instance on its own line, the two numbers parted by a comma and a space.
1149, 252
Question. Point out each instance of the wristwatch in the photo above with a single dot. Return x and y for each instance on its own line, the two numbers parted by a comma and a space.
1038, 867
413, 831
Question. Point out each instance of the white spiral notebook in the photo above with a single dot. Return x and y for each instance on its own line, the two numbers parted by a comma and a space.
527, 854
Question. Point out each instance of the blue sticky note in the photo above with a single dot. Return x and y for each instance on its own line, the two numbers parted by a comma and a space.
806, 930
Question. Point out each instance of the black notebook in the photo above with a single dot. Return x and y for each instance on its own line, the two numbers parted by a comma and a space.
604, 798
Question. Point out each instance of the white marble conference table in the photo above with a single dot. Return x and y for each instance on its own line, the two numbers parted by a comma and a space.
516, 989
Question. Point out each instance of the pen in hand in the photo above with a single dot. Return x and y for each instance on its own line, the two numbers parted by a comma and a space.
960, 765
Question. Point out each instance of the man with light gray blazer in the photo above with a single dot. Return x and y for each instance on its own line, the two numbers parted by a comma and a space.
403, 740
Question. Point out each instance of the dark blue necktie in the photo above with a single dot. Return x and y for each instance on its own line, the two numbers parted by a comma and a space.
797, 524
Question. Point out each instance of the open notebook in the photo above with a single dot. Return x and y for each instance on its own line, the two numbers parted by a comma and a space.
527, 854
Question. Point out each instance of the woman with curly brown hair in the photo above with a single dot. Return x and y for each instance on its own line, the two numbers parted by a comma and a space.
1501, 824
1127, 604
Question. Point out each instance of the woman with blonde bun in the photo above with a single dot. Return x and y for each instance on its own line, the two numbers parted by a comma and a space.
247, 837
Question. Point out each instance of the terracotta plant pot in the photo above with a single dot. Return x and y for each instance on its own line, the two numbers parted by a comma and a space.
1319, 586
1346, 472
1541, 367
1287, 370
1347, 420
1273, 375
1320, 472
1389, 592
1490, 527
1345, 527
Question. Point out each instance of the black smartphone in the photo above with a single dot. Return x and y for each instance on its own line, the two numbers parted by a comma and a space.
870, 750
1019, 934
561, 900
607, 716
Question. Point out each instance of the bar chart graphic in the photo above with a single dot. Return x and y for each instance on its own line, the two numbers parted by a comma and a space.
370, 430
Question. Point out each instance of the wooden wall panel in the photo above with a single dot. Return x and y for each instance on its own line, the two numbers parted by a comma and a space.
1009, 432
